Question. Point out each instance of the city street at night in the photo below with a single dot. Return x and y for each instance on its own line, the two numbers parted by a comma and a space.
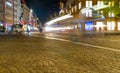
52, 54
59, 36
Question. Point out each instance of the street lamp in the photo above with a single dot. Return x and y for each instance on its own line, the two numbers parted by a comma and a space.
31, 10
30, 15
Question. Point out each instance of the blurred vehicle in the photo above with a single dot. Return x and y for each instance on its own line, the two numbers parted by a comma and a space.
2, 28
35, 30
17, 28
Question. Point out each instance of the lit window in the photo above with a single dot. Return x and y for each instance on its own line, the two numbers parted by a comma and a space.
88, 3
72, 9
100, 26
98, 11
118, 25
101, 12
109, 3
112, 3
111, 14
79, 5
66, 11
89, 13
119, 4
75, 8
100, 3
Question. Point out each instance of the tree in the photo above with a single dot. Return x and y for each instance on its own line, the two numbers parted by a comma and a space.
115, 8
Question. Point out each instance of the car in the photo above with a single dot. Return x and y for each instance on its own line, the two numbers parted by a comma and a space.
2, 28
17, 28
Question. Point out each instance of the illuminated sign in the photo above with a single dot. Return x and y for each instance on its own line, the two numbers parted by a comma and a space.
89, 25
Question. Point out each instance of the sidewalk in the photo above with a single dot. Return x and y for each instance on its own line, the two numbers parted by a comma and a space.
3, 33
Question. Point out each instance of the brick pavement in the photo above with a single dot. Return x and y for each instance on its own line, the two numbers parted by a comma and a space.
37, 55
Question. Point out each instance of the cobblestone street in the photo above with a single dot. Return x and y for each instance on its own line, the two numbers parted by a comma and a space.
27, 54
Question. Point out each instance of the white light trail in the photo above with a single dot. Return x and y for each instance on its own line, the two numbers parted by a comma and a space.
98, 7
47, 29
59, 19
95, 7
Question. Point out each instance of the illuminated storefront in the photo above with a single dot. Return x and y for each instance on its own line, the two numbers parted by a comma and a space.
118, 25
1, 24
100, 26
89, 25
111, 26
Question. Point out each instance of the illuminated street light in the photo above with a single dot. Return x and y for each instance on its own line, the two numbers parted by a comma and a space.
9, 4
30, 15
31, 10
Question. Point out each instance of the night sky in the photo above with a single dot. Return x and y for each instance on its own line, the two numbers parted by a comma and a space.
44, 8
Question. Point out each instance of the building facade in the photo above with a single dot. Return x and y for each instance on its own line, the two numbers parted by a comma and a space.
9, 11
101, 20
25, 13
17, 11
15, 14
1, 12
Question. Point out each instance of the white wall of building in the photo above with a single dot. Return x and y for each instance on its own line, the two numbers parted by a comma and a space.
19, 10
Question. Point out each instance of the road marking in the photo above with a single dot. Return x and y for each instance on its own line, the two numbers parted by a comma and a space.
101, 47
58, 39
85, 44
107, 40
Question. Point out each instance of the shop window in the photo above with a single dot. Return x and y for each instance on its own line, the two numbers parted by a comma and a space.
80, 26
89, 25
99, 26
118, 25
110, 26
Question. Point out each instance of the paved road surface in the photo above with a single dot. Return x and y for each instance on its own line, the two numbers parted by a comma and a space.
28, 54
